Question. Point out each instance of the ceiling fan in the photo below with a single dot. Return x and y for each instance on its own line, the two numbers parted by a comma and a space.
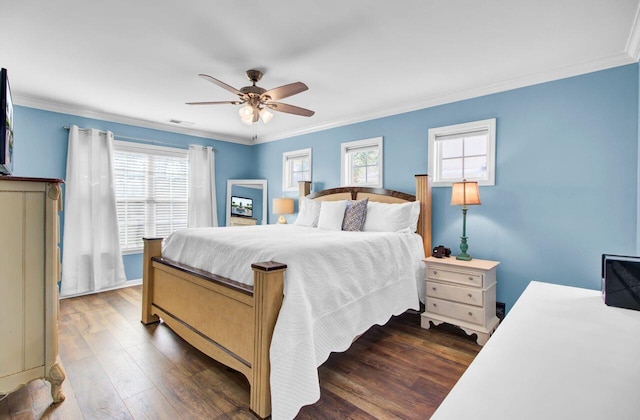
258, 100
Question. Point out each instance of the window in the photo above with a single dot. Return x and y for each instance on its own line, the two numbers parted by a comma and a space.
151, 192
463, 151
362, 163
296, 166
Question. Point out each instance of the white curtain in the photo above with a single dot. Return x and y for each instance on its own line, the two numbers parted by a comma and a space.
91, 259
203, 210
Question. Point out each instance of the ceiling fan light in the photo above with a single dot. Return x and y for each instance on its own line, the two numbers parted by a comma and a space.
246, 112
265, 115
247, 120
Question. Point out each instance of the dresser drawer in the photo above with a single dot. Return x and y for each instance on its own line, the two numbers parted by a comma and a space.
467, 313
243, 221
460, 277
470, 296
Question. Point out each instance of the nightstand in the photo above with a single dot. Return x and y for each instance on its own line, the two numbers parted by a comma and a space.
462, 293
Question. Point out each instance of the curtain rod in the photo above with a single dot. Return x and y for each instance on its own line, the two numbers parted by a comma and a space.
119, 137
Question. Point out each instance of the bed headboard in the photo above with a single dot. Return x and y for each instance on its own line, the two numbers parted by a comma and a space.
423, 194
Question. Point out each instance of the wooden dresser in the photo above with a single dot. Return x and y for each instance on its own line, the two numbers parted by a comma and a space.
242, 221
462, 293
29, 273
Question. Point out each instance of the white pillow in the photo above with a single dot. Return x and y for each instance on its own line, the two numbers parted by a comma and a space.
415, 216
308, 212
386, 217
332, 214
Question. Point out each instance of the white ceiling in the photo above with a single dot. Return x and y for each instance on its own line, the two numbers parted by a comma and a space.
137, 61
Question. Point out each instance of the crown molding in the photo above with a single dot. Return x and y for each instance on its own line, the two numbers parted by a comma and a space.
604, 63
633, 43
121, 119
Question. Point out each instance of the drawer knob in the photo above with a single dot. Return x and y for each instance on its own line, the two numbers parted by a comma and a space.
470, 314
470, 278
435, 272
470, 295
433, 288
435, 305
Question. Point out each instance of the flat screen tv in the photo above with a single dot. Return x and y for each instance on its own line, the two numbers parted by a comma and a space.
6, 125
241, 206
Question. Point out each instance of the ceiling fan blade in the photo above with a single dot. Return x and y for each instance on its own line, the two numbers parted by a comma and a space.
223, 85
290, 109
215, 103
284, 91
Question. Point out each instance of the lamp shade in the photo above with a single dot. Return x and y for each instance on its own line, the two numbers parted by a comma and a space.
247, 114
265, 115
283, 205
465, 193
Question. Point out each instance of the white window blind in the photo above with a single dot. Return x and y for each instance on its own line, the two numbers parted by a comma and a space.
463, 151
151, 192
296, 166
362, 163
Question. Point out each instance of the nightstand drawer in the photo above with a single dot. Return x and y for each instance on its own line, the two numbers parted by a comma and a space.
467, 313
468, 279
455, 293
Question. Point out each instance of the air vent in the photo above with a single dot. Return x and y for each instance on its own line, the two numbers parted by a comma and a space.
178, 122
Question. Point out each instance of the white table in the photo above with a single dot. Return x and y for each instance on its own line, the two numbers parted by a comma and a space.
561, 353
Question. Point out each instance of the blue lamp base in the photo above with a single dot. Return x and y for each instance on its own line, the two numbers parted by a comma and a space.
463, 243
463, 247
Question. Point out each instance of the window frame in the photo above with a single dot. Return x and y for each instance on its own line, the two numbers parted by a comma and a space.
345, 166
435, 153
147, 149
287, 158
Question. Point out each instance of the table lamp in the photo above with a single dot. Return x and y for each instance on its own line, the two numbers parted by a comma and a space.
464, 194
282, 206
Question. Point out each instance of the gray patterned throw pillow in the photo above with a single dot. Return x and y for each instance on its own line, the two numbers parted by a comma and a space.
355, 215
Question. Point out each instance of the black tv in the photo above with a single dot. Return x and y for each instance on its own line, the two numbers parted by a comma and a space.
6, 125
241, 206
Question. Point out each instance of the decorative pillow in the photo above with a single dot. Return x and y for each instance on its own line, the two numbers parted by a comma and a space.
308, 212
332, 214
355, 215
385, 217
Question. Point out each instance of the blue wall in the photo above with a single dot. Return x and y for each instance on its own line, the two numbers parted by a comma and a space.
638, 200
41, 151
566, 175
566, 172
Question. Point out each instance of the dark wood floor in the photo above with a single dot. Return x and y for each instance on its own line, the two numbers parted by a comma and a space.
117, 368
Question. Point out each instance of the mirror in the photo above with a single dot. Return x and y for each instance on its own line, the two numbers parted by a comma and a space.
252, 189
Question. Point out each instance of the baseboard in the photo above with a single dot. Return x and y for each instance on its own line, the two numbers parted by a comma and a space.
128, 283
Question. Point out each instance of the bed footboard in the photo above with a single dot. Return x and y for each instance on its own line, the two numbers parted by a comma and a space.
230, 322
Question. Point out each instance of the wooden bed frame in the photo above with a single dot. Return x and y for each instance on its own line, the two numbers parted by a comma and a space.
230, 321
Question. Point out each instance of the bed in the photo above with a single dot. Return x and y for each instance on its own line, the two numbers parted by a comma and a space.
560, 353
234, 320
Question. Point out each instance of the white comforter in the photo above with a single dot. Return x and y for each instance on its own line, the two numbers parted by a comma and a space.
337, 285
